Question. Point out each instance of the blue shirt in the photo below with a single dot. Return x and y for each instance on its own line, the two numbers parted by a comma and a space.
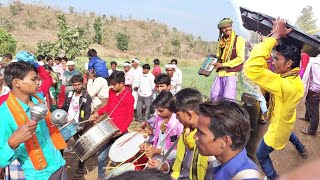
238, 163
8, 126
99, 66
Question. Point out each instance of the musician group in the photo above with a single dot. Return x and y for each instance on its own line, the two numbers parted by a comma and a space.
181, 135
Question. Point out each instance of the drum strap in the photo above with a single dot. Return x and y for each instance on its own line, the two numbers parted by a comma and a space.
118, 103
167, 153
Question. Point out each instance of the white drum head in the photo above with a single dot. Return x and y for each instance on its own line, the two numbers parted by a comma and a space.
120, 152
121, 169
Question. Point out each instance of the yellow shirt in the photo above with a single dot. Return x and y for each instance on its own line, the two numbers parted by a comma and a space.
286, 93
240, 48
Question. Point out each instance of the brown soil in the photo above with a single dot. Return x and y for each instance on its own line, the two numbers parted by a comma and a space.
283, 160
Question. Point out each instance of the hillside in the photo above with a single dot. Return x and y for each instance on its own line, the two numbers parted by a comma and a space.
30, 23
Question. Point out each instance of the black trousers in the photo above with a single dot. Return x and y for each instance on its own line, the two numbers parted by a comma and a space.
312, 110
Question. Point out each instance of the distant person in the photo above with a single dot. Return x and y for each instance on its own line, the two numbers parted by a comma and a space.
113, 65
3, 88
97, 65
231, 51
50, 61
129, 74
137, 71
156, 69
175, 80
67, 75
7, 58
178, 72
57, 67
144, 87
41, 60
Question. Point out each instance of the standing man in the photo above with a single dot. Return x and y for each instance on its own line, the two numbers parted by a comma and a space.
231, 50
97, 64
178, 71
128, 74
137, 71
311, 81
285, 88
113, 66
175, 80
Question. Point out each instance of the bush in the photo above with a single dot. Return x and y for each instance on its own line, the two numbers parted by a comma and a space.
122, 41
7, 43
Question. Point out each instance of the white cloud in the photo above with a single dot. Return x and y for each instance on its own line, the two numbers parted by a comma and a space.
287, 9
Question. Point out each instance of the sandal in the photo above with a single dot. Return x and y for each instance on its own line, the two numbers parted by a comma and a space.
304, 153
306, 131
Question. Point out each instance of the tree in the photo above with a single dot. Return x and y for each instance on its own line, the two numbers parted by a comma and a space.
122, 41
306, 20
7, 43
47, 48
97, 25
70, 40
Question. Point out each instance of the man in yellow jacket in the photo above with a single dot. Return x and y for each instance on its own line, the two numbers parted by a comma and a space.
231, 50
286, 89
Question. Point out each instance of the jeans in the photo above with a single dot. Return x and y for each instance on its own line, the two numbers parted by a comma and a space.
103, 154
312, 111
264, 159
147, 101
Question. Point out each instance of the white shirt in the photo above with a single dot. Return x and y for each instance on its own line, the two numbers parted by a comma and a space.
136, 73
178, 73
110, 71
145, 84
98, 88
175, 84
74, 108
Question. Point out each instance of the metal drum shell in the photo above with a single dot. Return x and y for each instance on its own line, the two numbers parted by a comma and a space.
94, 139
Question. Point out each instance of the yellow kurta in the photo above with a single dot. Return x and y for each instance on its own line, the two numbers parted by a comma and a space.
240, 48
286, 93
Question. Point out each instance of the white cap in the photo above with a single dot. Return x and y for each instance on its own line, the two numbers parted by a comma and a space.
170, 66
126, 64
70, 63
136, 60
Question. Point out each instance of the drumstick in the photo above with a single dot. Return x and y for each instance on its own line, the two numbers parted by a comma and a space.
87, 121
125, 141
141, 164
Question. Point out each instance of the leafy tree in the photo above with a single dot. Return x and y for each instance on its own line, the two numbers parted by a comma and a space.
7, 43
47, 48
70, 40
122, 41
97, 25
306, 21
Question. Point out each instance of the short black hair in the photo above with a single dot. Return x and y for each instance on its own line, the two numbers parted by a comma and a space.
8, 56
64, 58
228, 118
142, 175
92, 53
146, 66
174, 61
17, 70
290, 52
186, 99
113, 62
58, 59
116, 77
41, 57
163, 79
76, 78
49, 58
156, 61
163, 100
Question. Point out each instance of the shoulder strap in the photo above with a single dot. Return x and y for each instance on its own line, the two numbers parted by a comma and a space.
247, 174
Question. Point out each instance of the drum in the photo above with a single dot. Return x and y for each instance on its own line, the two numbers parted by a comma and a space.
126, 149
69, 129
121, 169
94, 139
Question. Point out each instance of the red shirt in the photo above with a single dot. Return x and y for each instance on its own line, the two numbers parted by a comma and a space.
121, 113
156, 70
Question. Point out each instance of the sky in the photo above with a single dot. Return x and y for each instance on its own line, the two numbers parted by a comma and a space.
199, 18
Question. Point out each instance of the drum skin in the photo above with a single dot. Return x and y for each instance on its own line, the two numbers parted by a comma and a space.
94, 139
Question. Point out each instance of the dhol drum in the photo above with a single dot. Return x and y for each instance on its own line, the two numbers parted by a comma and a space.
127, 149
69, 129
94, 139
121, 169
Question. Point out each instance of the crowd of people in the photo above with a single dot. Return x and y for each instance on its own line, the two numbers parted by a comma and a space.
189, 138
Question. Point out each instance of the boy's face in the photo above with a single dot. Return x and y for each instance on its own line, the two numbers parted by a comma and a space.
50, 62
77, 86
207, 144
29, 84
187, 118
162, 87
145, 71
163, 112
117, 86
113, 67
